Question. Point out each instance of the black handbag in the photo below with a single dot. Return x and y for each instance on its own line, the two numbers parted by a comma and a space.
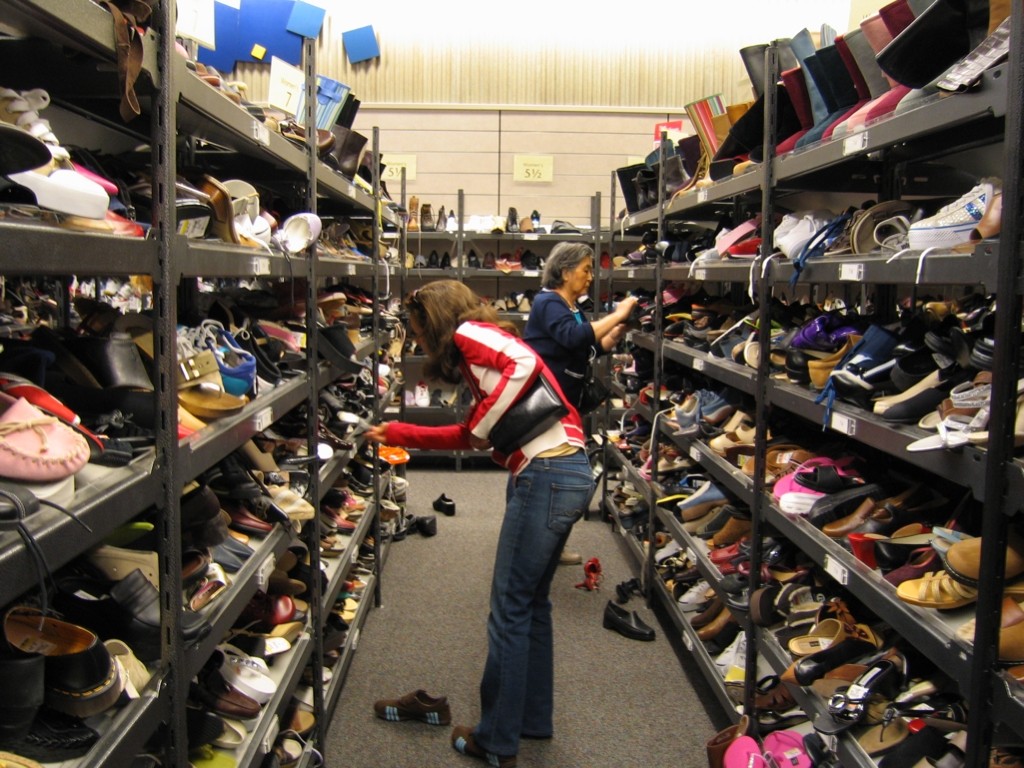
533, 413
593, 391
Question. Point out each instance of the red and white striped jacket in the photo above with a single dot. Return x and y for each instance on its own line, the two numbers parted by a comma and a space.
498, 367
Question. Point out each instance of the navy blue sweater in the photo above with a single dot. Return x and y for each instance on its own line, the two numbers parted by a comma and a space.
562, 340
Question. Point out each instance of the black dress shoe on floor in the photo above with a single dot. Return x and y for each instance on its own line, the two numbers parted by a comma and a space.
444, 505
626, 623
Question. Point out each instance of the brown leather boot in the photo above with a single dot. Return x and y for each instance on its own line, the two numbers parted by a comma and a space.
414, 214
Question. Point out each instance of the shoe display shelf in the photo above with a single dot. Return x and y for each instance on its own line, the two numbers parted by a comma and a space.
491, 283
107, 499
883, 154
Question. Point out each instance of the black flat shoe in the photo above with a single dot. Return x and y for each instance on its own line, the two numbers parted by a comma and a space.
625, 589
625, 623
444, 505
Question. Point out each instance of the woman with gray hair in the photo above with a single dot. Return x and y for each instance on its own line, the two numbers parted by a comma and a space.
557, 329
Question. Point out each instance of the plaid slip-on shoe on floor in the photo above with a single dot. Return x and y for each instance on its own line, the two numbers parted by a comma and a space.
418, 705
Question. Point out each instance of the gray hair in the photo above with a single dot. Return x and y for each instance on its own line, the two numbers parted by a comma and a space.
564, 257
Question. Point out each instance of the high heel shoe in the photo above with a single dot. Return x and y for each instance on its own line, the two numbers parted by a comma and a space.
512, 222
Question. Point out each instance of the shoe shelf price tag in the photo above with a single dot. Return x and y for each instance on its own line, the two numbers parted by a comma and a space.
261, 265
261, 133
698, 364
700, 274
702, 195
263, 574
630, 273
851, 272
270, 735
831, 742
263, 419
855, 144
355, 639
836, 570
844, 424
531, 273
688, 642
695, 453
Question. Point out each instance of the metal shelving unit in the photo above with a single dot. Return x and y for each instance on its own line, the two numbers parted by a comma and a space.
987, 114
174, 103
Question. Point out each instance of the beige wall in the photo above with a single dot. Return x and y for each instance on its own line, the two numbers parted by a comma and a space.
473, 150
464, 87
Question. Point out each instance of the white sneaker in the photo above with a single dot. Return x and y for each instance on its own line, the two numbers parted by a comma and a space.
421, 395
952, 224
663, 554
692, 598
735, 654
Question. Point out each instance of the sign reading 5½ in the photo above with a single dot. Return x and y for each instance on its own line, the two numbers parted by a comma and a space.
534, 168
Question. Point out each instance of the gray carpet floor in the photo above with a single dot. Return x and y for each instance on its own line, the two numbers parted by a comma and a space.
619, 703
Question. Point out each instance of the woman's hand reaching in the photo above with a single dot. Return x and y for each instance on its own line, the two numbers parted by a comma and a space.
377, 433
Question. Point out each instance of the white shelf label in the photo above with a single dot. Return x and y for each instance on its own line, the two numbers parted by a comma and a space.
831, 742
270, 736
844, 424
700, 274
836, 570
856, 143
622, 532
261, 265
350, 269
263, 574
531, 273
263, 419
688, 642
695, 453
261, 133
702, 195
852, 272
630, 273
698, 364
355, 639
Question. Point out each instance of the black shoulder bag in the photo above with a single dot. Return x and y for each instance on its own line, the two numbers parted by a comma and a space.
594, 391
537, 409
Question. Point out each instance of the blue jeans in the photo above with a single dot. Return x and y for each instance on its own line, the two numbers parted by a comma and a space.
517, 690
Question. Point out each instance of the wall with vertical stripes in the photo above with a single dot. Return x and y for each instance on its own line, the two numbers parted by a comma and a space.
466, 85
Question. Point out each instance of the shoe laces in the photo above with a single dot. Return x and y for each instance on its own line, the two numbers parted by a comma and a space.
27, 105
978, 190
36, 425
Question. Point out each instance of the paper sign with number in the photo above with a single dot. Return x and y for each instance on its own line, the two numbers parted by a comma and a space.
536, 168
286, 83
395, 164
